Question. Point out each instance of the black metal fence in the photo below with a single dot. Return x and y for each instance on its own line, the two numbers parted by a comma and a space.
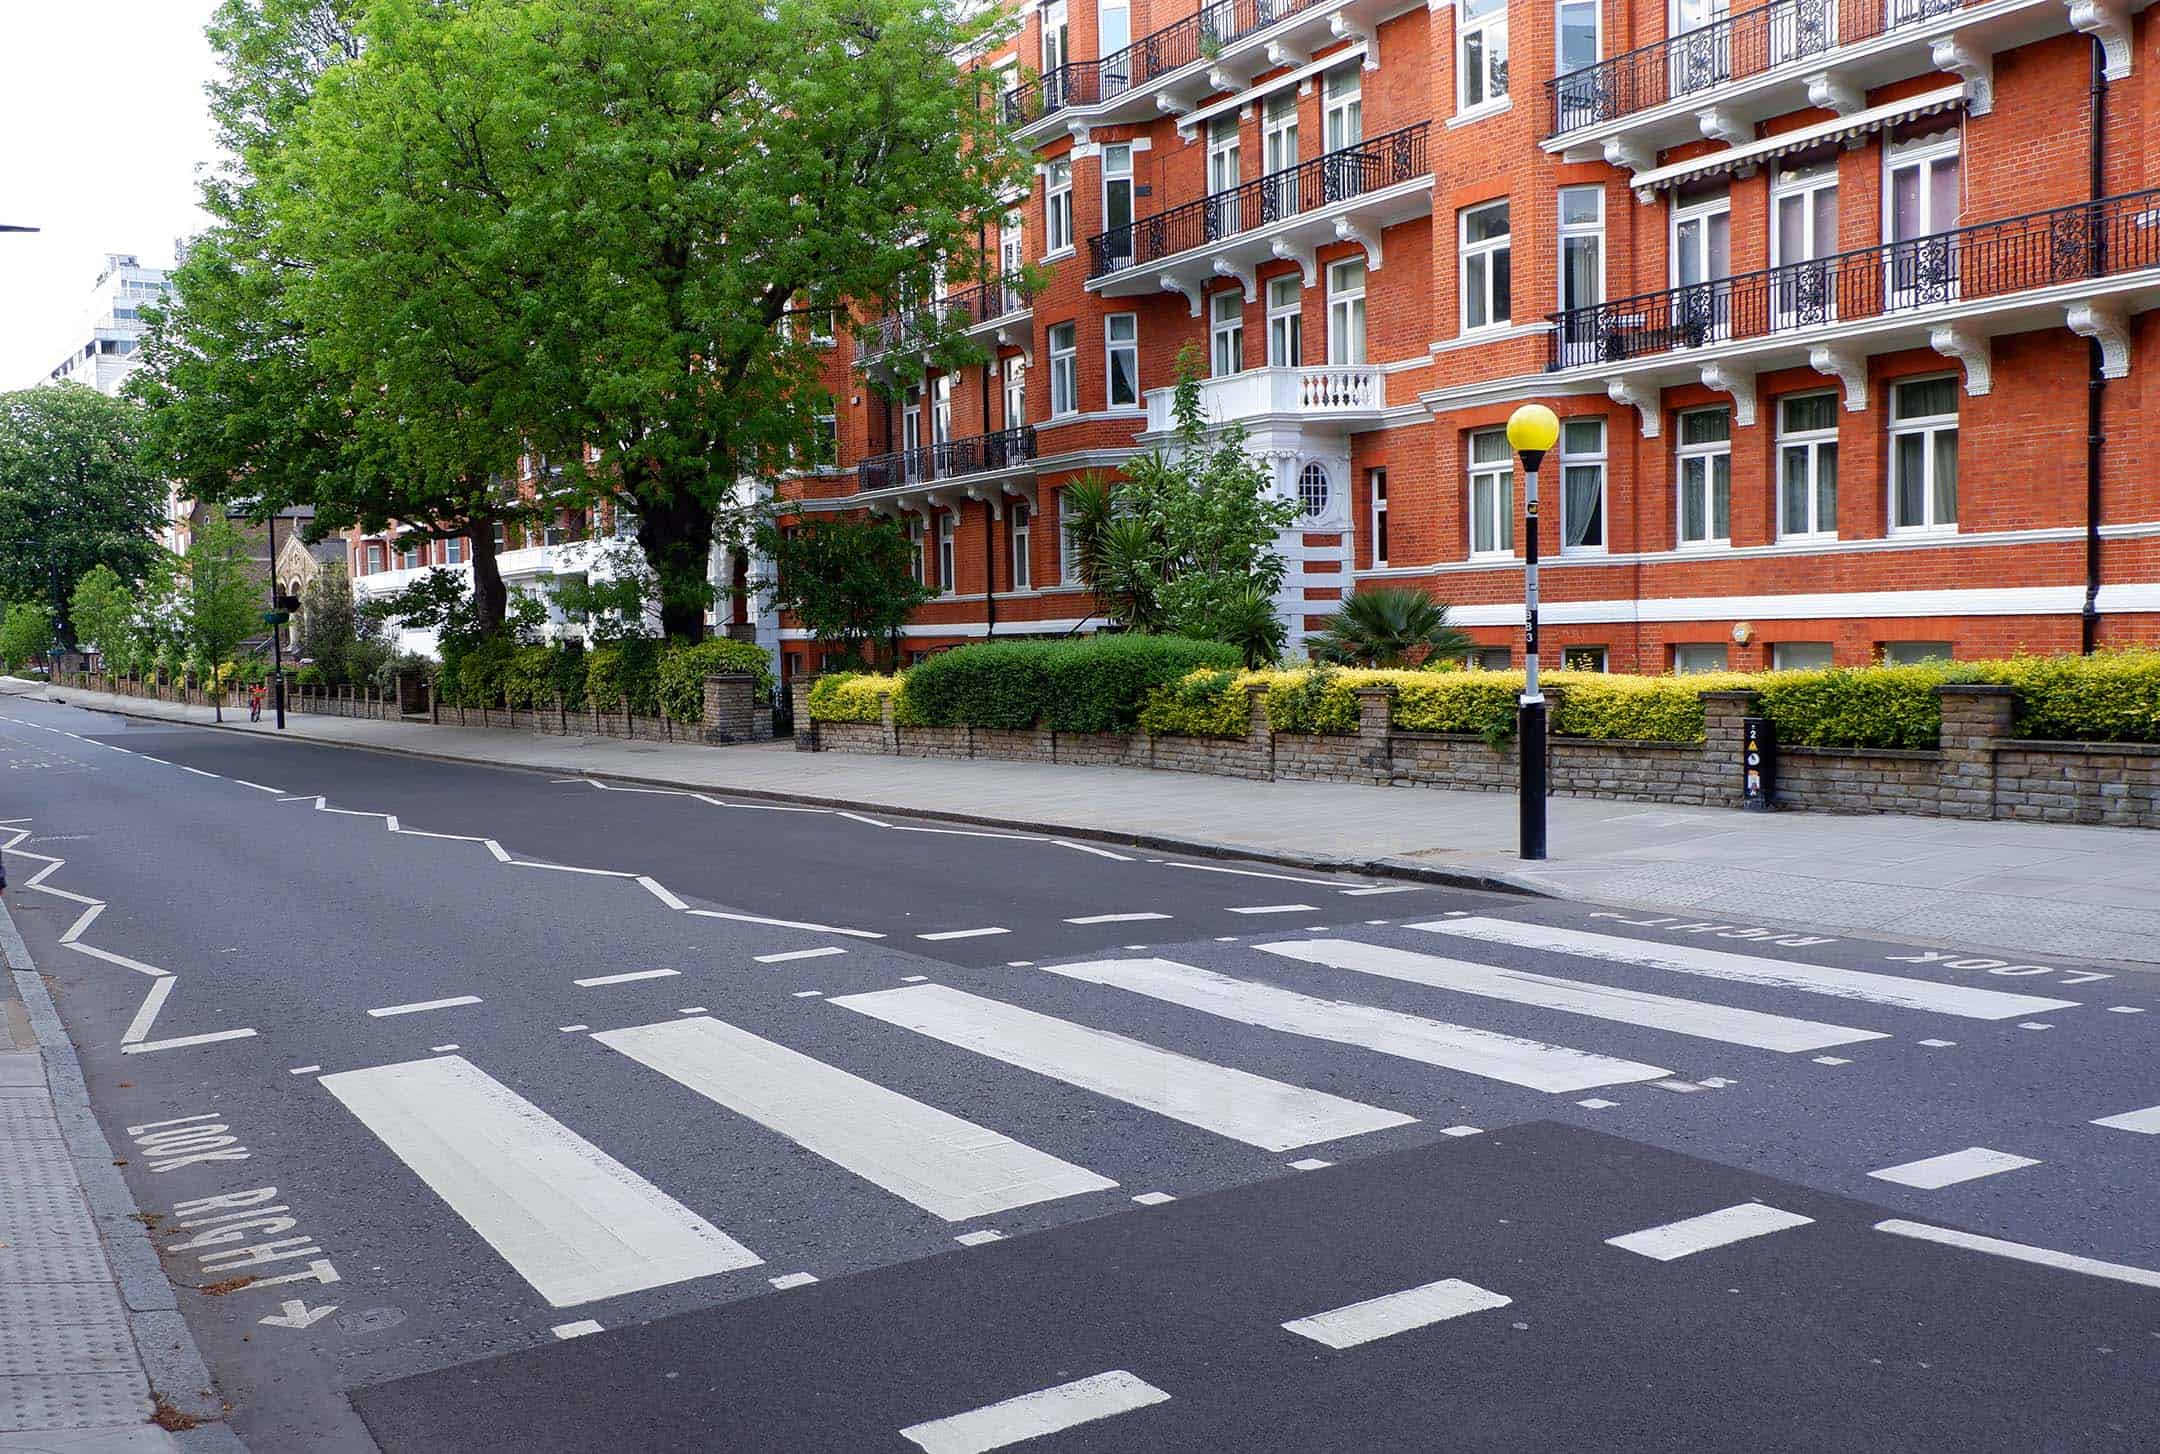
978, 304
1738, 45
1989, 259
953, 458
1088, 83
1338, 176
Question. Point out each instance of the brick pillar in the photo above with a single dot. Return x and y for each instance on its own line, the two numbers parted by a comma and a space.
1376, 724
1976, 717
730, 706
889, 727
806, 739
1724, 782
1259, 736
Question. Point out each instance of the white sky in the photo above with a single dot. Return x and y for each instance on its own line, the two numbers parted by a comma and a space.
102, 124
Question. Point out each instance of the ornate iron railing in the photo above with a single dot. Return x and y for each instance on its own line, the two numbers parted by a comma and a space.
950, 460
1989, 259
1309, 186
978, 304
1088, 83
1738, 45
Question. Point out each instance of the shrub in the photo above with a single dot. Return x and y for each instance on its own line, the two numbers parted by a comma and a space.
1640, 709
1096, 684
685, 665
853, 696
2111, 696
310, 676
483, 672
1871, 706
537, 674
624, 674
1203, 703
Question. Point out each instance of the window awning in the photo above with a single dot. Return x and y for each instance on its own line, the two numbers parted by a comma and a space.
1749, 155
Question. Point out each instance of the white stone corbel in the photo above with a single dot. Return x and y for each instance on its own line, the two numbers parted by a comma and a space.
1342, 27
1848, 365
1287, 251
1961, 57
1718, 123
1287, 53
1186, 286
1738, 382
2108, 324
1349, 229
1018, 335
1243, 272
1174, 103
2108, 22
1971, 348
1647, 399
1836, 93
1020, 491
991, 496
1636, 156
1078, 131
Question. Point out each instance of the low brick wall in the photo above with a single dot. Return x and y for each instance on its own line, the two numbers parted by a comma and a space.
1978, 770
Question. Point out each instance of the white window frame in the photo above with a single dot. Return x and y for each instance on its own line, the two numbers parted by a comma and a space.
1113, 345
1491, 29
1576, 232
1019, 529
1056, 36
1015, 392
1285, 321
1279, 131
1494, 478
1778, 648
1708, 453
1315, 475
1117, 171
1485, 249
1012, 252
1068, 548
454, 550
1225, 173
1809, 443
1915, 653
375, 558
1376, 513
409, 557
1342, 108
1064, 370
1600, 657
915, 533
948, 553
1927, 426
1597, 27
1057, 209
1681, 649
1346, 333
1104, 34
1580, 457
1923, 152
1803, 186
1226, 333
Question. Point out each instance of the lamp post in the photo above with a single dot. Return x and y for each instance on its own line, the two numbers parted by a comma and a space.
1531, 431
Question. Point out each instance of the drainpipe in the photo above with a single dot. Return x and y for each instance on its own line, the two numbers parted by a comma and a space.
2095, 380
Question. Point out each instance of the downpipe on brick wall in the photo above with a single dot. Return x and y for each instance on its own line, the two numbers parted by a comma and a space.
2095, 375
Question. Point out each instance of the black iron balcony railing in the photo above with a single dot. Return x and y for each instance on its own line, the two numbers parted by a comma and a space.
1738, 45
978, 304
1338, 176
1987, 260
950, 460
1087, 83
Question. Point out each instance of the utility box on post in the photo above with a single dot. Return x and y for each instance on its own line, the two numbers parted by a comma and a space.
1758, 763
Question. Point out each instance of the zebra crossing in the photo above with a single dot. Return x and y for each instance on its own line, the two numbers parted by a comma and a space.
580, 1226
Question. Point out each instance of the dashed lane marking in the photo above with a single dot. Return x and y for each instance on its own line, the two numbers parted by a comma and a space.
1034, 1415
2021, 1252
1134, 918
944, 934
1953, 1167
420, 1006
576, 1330
1275, 909
635, 974
1685, 1238
821, 952
1396, 1312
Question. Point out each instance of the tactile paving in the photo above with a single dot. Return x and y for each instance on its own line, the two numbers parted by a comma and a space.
74, 1401
68, 1350
63, 1250
27, 1118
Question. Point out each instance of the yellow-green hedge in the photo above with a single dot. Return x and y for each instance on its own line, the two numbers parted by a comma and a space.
853, 697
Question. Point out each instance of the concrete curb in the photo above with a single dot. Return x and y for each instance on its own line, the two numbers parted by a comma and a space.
1395, 868
171, 1360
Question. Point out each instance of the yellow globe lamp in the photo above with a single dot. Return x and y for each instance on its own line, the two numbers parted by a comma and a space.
1531, 430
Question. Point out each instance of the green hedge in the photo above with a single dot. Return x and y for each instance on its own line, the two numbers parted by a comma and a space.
853, 696
1094, 684
624, 675
2111, 696
537, 675
685, 665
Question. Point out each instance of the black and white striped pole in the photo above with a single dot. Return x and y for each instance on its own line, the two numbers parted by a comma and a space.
1531, 431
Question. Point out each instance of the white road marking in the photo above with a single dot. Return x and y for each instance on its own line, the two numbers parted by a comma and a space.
1939, 1044
2145, 1122
1396, 1312
635, 974
1154, 1198
420, 1005
1383, 889
181, 1042
1831, 1060
1233, 1103
791, 1279
1310, 1163
821, 952
978, 1239
1091, 848
576, 1330
572, 1029
195, 770
1275, 909
2033, 1025
1576, 997
1115, 918
661, 892
1720, 1228
443, 1049
138, 1028
694, 1010
258, 787
1971, 1001
1596, 1103
1462, 1130
963, 933
910, 979
1032, 1415
303, 1070
2020, 1252
1681, 1087
1935, 1172
575, 1223
808, 994
120, 959
1288, 878
949, 1167
2126, 1009
1509, 1058
785, 923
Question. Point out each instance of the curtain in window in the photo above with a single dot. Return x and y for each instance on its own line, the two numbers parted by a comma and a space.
1583, 509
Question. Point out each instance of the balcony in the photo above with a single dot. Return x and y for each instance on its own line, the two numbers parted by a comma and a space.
1006, 451
1220, 49
2087, 265
1342, 394
1719, 80
975, 311
1346, 195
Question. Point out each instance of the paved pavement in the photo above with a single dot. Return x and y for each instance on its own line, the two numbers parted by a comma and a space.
2025, 888
478, 1110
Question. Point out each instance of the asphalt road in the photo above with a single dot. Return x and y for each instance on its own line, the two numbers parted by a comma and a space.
863, 1133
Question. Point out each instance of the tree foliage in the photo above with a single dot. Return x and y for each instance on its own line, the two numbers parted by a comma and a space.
73, 495
846, 581
26, 633
103, 611
1388, 626
221, 598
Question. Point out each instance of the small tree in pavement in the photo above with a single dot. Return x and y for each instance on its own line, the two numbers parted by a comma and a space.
221, 599
845, 581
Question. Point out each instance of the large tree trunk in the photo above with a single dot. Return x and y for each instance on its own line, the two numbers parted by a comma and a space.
677, 534
491, 598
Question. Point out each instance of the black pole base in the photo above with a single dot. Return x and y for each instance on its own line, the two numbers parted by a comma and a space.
1530, 736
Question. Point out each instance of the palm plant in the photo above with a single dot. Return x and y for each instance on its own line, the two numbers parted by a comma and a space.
1387, 626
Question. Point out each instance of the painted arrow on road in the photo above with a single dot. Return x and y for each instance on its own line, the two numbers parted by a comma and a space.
298, 1314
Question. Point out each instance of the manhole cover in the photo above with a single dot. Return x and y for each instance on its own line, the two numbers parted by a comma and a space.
370, 1320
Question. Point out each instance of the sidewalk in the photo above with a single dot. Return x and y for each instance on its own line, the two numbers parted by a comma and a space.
2031, 890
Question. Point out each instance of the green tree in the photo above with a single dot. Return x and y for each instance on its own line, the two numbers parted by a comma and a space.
1387, 626
221, 599
73, 494
103, 611
26, 633
600, 224
329, 622
845, 581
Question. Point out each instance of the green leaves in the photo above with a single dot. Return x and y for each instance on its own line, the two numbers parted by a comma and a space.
1387, 626
72, 494
849, 582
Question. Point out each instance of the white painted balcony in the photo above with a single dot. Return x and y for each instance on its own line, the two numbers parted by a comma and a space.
1338, 393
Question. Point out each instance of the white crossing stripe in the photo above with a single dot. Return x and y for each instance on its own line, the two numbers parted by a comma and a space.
1574, 997
1970, 1001
1390, 889
1712, 1229
1115, 918
962, 933
1032, 1415
421, 1005
1936, 1172
1234, 1103
576, 1223
949, 1167
635, 974
1276, 909
2020, 1252
2145, 1122
1432, 1042
1396, 1312
822, 952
